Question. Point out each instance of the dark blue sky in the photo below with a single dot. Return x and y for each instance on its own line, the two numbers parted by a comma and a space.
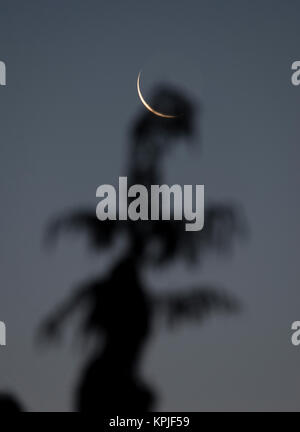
64, 116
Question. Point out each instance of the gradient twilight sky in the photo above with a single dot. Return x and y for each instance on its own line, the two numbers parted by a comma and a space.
64, 116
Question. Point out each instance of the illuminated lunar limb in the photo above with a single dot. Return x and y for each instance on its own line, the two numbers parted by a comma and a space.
147, 105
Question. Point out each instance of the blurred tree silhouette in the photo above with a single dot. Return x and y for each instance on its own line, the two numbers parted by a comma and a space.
9, 404
117, 309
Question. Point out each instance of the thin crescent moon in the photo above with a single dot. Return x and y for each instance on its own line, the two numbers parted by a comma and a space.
147, 105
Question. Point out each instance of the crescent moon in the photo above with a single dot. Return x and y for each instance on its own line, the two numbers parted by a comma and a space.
159, 114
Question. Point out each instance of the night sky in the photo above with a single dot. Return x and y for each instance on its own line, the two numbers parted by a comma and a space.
65, 116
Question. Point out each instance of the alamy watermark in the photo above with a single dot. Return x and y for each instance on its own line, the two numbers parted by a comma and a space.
157, 202
296, 333
2, 73
296, 75
2, 83
2, 334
